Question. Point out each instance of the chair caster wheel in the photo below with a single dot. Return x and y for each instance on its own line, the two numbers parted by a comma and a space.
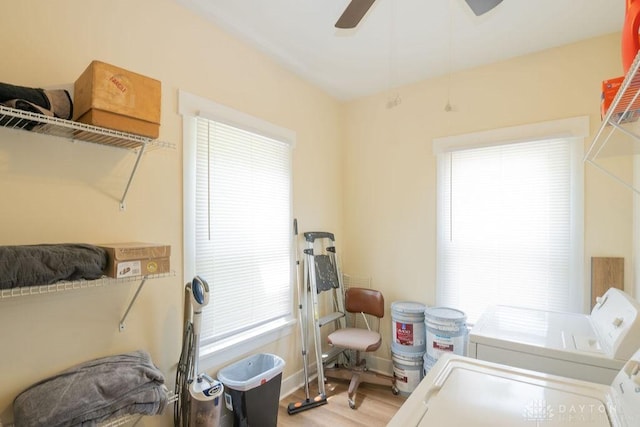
352, 404
395, 391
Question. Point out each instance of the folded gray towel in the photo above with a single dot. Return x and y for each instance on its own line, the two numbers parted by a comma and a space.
32, 265
92, 392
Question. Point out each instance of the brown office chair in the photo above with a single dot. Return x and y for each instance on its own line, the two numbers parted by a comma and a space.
364, 301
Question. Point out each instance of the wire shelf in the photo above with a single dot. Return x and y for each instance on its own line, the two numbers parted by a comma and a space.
54, 126
75, 284
126, 419
618, 138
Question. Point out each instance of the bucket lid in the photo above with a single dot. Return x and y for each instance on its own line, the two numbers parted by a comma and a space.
408, 307
445, 313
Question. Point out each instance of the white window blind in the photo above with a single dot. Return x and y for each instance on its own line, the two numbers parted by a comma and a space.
510, 226
242, 228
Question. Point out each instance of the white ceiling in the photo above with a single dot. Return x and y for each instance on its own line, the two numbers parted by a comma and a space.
404, 41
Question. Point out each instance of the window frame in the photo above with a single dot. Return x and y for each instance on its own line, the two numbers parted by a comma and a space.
574, 128
191, 107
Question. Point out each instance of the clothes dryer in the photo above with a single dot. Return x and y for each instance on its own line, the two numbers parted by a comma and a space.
460, 391
591, 347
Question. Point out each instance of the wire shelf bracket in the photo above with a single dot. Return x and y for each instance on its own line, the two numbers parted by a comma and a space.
133, 300
53, 126
620, 117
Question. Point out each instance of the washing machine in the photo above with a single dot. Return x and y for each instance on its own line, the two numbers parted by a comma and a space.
460, 391
591, 347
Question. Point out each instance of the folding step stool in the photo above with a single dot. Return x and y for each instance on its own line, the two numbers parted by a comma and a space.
322, 274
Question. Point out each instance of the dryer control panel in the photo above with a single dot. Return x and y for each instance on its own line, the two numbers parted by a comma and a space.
616, 319
627, 387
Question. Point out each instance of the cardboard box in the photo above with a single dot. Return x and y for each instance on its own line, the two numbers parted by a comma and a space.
610, 89
138, 267
136, 259
115, 98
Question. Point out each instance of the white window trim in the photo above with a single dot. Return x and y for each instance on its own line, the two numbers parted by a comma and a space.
191, 106
574, 127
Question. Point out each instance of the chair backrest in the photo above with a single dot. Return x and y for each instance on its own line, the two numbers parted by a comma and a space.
363, 300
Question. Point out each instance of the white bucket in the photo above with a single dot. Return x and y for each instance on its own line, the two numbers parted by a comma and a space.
408, 370
427, 364
408, 327
446, 331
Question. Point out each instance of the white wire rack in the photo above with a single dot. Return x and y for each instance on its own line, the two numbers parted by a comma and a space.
28, 121
619, 134
76, 131
83, 284
72, 285
126, 419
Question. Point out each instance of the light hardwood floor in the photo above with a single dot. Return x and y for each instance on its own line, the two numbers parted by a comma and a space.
375, 406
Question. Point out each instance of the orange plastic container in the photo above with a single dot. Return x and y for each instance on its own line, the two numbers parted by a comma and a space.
630, 40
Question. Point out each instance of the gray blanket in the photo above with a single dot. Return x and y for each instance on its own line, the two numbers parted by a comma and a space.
93, 392
32, 265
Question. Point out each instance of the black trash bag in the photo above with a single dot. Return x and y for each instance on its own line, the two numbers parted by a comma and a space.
55, 102
19, 122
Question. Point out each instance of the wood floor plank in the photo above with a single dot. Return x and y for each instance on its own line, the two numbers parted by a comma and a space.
375, 406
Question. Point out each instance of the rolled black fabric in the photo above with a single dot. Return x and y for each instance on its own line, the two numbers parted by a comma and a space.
35, 96
57, 102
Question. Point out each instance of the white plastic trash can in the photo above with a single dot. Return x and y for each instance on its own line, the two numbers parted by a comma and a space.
252, 390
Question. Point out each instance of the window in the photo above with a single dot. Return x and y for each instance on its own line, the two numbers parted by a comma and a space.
510, 218
238, 224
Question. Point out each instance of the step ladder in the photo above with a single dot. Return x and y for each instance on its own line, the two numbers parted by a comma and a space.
323, 281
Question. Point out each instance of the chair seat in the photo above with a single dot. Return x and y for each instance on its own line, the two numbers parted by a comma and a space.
355, 339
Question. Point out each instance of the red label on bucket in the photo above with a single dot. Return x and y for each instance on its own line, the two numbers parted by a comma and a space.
404, 333
401, 378
442, 346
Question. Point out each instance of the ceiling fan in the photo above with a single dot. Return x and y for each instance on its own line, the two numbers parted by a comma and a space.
358, 8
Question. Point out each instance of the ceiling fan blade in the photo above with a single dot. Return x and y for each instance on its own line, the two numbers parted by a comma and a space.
354, 13
481, 7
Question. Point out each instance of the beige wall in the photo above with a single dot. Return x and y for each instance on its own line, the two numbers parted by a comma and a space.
390, 180
57, 191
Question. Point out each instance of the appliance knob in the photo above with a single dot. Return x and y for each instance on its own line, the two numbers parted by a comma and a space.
601, 300
635, 376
